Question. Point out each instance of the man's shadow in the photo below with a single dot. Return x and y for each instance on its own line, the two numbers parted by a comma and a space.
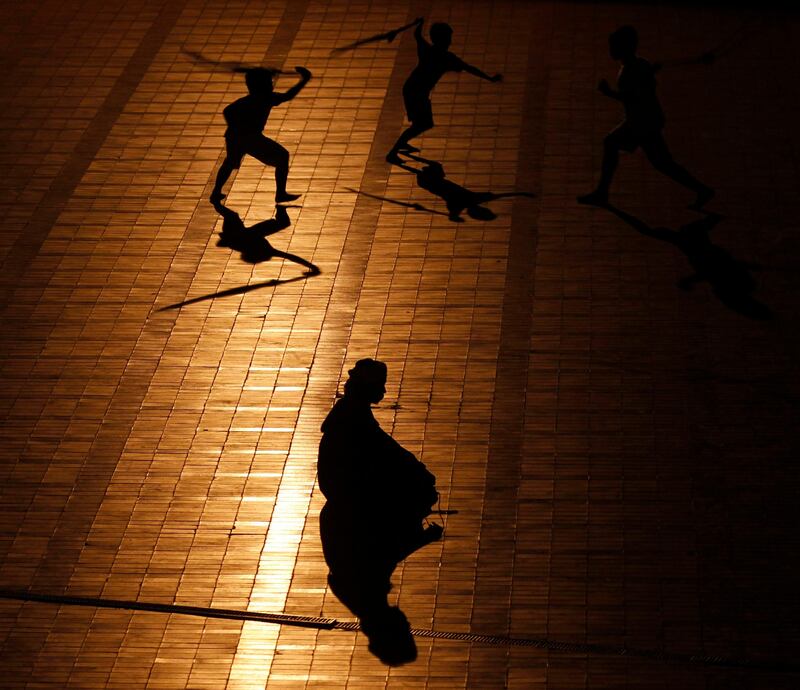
730, 279
432, 178
361, 562
254, 248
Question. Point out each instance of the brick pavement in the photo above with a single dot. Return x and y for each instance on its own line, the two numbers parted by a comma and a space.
620, 450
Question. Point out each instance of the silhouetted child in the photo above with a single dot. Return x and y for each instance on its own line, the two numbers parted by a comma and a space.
246, 119
434, 62
642, 125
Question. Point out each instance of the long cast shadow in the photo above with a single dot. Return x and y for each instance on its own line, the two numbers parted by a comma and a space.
228, 65
333, 624
432, 178
156, 607
387, 36
407, 204
730, 279
378, 495
254, 248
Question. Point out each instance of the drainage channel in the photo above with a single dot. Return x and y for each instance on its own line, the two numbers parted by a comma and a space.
334, 624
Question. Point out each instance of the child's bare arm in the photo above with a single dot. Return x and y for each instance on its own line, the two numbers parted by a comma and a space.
305, 75
419, 21
471, 69
604, 88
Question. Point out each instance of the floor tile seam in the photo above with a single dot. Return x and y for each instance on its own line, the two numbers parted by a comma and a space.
361, 220
26, 246
261, 176
379, 345
194, 223
355, 254
563, 317
233, 669
504, 458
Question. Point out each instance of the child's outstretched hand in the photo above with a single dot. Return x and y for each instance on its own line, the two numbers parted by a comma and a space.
303, 72
496, 78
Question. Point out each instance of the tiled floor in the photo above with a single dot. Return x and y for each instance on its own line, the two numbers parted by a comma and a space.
621, 451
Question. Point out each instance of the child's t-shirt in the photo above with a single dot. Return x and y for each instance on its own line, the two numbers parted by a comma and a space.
637, 87
433, 64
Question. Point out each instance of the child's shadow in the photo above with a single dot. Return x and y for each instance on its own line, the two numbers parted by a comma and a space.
432, 178
254, 248
729, 278
252, 242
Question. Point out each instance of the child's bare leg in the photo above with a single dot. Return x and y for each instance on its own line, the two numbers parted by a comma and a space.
271, 153
223, 175
281, 176
611, 148
411, 132
661, 158
608, 167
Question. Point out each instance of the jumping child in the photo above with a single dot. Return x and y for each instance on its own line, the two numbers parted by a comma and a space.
434, 62
246, 119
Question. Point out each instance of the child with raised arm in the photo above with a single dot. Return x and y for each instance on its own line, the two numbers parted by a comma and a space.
246, 119
435, 60
642, 125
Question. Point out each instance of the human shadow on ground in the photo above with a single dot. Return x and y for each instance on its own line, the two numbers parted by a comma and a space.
407, 204
432, 178
378, 496
314, 622
254, 248
387, 36
730, 279
228, 65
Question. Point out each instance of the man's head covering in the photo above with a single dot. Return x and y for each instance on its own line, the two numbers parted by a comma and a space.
369, 371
